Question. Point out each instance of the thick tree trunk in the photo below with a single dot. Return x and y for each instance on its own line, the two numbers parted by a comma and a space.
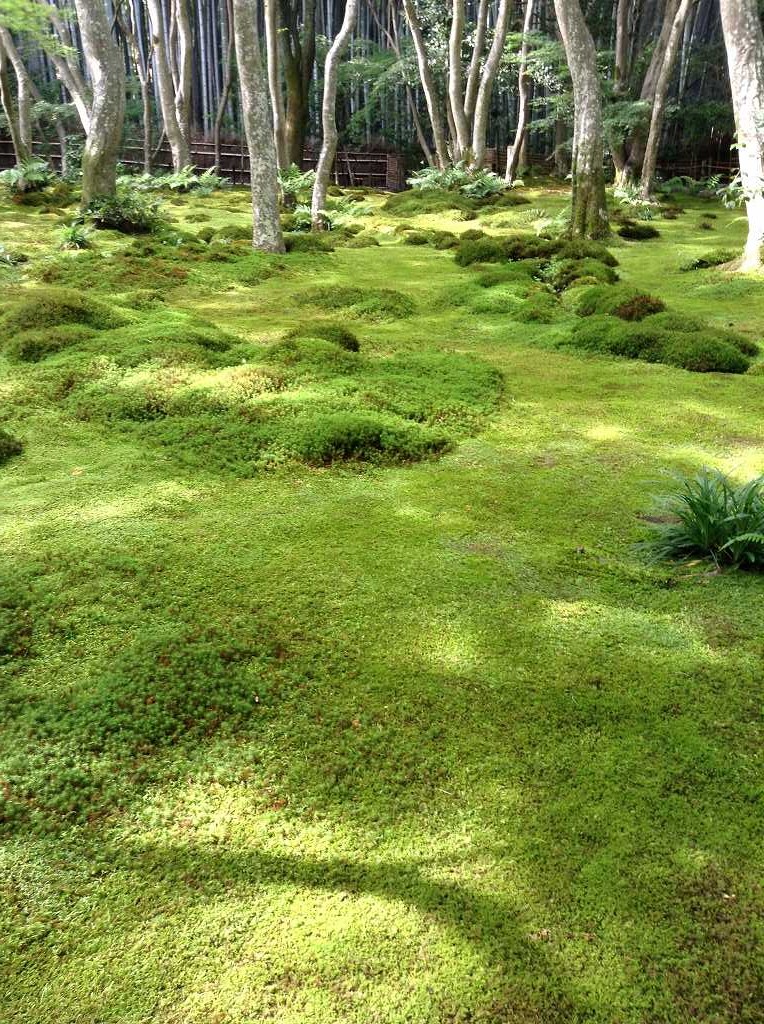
181, 155
473, 75
487, 79
659, 99
329, 114
461, 140
589, 217
428, 84
106, 70
298, 53
256, 111
744, 40
274, 79
524, 89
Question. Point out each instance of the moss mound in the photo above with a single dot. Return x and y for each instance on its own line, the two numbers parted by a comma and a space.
310, 242
566, 273
50, 307
700, 352
9, 446
715, 258
32, 346
622, 301
363, 303
638, 231
331, 331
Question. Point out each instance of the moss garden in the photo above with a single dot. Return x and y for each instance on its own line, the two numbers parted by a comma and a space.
337, 684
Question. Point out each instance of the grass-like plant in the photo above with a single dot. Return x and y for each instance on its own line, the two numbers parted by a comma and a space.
712, 516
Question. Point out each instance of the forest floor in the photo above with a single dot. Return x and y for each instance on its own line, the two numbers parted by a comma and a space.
426, 742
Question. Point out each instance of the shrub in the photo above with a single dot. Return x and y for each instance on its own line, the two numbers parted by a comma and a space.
471, 235
711, 516
715, 258
32, 346
622, 301
308, 243
206, 234
329, 330
638, 232
44, 307
9, 446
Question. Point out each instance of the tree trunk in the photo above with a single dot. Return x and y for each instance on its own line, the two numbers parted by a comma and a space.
659, 99
67, 69
185, 71
256, 112
181, 155
106, 70
428, 84
589, 217
329, 114
228, 76
274, 79
744, 40
485, 91
621, 75
524, 89
473, 75
298, 59
461, 141
18, 112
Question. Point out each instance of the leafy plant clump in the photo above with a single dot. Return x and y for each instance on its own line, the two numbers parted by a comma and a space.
129, 211
183, 181
712, 516
74, 236
45, 307
9, 446
32, 175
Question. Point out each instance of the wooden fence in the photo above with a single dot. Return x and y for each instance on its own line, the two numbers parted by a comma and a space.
352, 168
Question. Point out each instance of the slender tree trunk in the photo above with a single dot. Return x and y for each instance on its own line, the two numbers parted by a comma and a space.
274, 79
185, 70
256, 109
106, 70
659, 99
473, 75
298, 53
68, 71
226, 89
622, 48
514, 151
329, 113
17, 112
487, 79
589, 217
744, 40
428, 83
181, 155
461, 141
